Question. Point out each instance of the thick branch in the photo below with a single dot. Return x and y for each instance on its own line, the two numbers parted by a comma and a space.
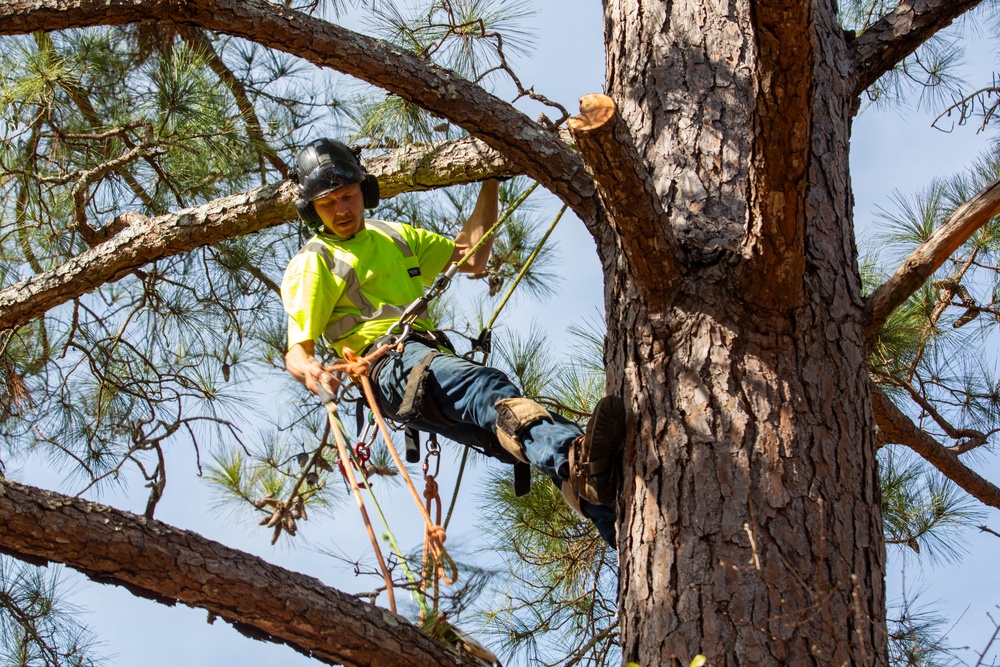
931, 254
170, 565
626, 192
420, 167
144, 241
779, 167
899, 429
899, 33
532, 149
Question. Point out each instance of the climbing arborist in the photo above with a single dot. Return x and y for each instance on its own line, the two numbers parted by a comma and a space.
350, 284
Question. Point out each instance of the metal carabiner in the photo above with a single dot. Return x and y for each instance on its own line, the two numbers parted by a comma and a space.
433, 449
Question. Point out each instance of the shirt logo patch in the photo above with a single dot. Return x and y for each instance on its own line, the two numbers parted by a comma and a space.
414, 272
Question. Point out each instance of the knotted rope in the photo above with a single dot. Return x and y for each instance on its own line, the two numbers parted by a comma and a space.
358, 368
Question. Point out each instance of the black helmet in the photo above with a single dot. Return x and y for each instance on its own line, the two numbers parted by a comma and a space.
322, 167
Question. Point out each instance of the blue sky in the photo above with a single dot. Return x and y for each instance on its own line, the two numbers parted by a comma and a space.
891, 151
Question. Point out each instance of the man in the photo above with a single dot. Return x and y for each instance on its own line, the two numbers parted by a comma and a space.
352, 281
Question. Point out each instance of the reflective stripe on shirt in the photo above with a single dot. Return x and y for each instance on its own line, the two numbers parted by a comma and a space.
352, 290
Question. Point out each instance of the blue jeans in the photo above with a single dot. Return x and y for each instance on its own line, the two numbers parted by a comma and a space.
465, 393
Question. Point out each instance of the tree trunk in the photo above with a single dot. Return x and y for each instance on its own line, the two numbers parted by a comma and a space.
750, 528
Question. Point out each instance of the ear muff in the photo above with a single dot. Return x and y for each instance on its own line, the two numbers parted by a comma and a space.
369, 189
309, 216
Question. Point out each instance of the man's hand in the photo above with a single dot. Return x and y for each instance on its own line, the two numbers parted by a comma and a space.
301, 362
316, 374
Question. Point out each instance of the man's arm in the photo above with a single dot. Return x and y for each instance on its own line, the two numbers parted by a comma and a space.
301, 362
483, 217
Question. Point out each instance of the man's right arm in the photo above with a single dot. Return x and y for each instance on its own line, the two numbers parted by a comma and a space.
301, 362
308, 294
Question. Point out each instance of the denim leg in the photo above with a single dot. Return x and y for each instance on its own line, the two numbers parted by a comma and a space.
465, 393
604, 520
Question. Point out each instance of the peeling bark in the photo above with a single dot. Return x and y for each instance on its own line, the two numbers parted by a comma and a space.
168, 565
782, 136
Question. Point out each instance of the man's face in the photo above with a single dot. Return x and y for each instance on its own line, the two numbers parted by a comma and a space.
342, 211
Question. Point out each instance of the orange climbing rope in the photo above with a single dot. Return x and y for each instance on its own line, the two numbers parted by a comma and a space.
357, 368
345, 459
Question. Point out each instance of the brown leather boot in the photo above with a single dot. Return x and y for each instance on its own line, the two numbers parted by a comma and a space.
593, 457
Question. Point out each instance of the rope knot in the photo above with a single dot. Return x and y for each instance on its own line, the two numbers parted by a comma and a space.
355, 365
430, 488
437, 534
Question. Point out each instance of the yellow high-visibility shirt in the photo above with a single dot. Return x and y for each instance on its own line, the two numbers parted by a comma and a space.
351, 291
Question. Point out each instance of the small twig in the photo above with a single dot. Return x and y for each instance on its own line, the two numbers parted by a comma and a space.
987, 529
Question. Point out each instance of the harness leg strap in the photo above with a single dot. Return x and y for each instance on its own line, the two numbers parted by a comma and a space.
522, 479
412, 437
415, 401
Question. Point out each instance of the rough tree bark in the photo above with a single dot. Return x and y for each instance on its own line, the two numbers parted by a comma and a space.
749, 520
750, 529
168, 565
750, 523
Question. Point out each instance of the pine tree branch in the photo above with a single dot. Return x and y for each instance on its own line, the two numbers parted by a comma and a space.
421, 167
897, 428
626, 192
199, 41
898, 34
169, 565
785, 71
930, 255
531, 148
83, 103
144, 240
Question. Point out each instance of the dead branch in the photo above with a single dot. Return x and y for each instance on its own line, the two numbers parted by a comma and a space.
628, 196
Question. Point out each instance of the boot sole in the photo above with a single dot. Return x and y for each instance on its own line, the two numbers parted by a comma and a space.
602, 447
